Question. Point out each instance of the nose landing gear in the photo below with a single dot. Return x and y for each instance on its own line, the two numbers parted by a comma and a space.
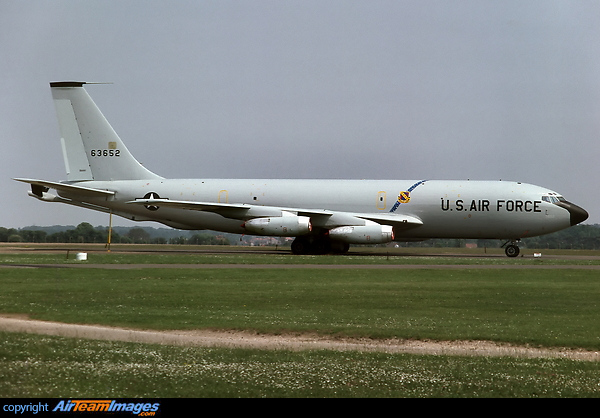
511, 250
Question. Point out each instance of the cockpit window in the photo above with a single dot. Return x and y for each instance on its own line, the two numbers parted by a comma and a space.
553, 198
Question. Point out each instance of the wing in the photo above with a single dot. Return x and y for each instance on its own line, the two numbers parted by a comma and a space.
319, 217
230, 210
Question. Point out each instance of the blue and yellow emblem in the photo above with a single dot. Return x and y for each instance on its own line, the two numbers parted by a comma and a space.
404, 197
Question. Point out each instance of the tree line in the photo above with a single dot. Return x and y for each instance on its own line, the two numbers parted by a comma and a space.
578, 237
86, 233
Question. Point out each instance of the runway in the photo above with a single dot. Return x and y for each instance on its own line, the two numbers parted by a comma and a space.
84, 265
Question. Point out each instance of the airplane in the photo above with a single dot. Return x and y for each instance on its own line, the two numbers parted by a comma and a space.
323, 216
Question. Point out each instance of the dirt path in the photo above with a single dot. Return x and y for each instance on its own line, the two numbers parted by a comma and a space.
234, 339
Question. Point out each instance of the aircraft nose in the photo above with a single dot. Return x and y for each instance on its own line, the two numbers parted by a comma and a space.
578, 214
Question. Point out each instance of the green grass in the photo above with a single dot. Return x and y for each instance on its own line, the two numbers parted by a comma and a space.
538, 307
36, 366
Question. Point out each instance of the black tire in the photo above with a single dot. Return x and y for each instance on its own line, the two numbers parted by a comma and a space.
300, 246
512, 251
338, 247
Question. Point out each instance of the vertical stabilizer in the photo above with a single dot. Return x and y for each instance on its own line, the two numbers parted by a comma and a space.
92, 150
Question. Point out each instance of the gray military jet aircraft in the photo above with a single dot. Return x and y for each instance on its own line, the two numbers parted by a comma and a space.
322, 215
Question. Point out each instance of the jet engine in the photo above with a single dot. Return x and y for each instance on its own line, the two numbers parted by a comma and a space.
371, 233
281, 226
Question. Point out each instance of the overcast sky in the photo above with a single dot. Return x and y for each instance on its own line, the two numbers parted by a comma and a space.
377, 89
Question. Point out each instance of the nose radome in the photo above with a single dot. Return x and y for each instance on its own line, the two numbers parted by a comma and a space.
578, 214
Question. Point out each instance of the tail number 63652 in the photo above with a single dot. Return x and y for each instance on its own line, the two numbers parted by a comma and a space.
105, 153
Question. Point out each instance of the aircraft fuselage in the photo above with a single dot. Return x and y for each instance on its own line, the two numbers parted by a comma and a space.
448, 209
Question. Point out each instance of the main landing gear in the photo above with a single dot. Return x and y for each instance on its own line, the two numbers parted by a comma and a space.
511, 250
315, 244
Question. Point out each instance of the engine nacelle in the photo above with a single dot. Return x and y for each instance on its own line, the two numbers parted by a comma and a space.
371, 233
281, 226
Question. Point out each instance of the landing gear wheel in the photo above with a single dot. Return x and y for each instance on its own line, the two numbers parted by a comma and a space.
309, 245
338, 247
318, 245
345, 248
301, 246
512, 250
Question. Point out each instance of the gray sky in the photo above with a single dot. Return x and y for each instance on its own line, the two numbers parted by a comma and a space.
419, 89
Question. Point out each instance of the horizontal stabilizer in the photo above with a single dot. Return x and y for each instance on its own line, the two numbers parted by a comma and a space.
68, 188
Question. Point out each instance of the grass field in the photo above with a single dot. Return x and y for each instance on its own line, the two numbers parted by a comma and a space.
524, 306
519, 306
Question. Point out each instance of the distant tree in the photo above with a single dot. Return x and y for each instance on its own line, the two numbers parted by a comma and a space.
178, 240
15, 238
138, 236
84, 232
159, 240
33, 235
208, 239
